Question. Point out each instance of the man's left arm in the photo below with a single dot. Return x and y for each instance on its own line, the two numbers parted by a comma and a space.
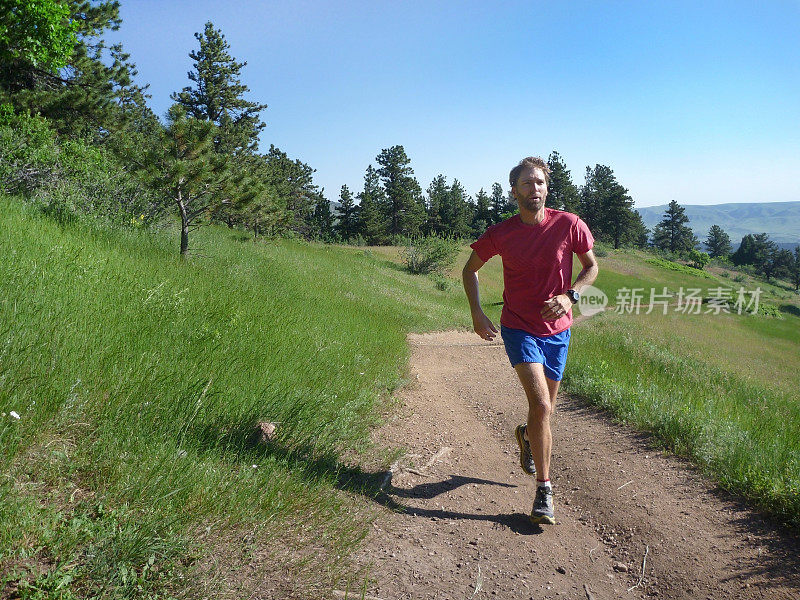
589, 272
557, 306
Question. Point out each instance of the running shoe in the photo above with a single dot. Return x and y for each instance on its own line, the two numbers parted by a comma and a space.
525, 456
542, 513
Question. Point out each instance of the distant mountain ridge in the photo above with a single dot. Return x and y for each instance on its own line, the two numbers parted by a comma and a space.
780, 220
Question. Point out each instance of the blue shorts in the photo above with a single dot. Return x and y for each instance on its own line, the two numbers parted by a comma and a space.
549, 351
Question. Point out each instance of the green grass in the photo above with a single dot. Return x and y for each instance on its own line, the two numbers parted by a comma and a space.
139, 380
736, 422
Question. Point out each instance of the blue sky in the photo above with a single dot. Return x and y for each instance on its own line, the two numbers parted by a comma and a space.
693, 101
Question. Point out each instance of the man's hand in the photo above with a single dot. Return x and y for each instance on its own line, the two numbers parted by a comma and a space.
556, 307
484, 327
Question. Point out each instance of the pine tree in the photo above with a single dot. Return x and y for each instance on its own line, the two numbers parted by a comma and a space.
455, 217
499, 203
622, 224
718, 242
638, 234
257, 205
672, 233
323, 219
347, 224
294, 188
562, 193
85, 98
406, 208
755, 249
437, 199
188, 171
217, 95
607, 209
483, 214
794, 272
597, 185
372, 223
780, 264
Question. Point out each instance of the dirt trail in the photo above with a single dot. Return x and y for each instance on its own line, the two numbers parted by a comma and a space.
464, 500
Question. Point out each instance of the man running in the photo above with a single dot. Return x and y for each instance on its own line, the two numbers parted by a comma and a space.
536, 246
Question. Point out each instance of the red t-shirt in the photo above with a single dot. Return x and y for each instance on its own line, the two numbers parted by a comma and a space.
537, 265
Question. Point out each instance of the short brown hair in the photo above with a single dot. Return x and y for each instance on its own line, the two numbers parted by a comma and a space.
525, 163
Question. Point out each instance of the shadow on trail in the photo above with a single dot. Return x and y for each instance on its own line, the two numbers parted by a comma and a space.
517, 522
241, 444
431, 490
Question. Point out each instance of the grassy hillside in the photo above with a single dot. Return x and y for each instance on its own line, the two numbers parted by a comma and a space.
134, 468
139, 379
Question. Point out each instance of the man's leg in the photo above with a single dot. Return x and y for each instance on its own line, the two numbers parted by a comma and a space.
541, 393
552, 387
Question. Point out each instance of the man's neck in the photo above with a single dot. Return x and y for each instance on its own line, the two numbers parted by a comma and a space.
531, 218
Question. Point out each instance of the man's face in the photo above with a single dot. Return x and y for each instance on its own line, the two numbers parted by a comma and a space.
531, 189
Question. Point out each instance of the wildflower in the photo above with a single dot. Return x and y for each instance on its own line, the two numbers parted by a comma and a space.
14, 414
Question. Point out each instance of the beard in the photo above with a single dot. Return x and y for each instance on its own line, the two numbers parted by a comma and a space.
532, 204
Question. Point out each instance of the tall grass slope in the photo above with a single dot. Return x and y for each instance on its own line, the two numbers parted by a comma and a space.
138, 380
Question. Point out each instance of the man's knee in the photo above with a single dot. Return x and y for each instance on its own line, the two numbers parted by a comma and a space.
541, 409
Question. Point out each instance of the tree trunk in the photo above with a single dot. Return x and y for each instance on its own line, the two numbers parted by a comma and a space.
184, 226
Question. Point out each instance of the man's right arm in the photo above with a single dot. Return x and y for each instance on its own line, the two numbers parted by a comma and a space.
482, 325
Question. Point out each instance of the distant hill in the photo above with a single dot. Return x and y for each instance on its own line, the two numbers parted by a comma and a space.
781, 220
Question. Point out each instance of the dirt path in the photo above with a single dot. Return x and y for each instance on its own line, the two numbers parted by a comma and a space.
464, 502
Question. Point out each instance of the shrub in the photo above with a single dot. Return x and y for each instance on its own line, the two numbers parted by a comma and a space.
28, 153
769, 310
442, 283
697, 259
600, 249
673, 266
70, 179
432, 254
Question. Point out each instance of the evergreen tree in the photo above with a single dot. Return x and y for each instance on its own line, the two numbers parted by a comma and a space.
257, 205
638, 232
562, 193
323, 219
780, 264
499, 203
217, 95
672, 233
621, 218
372, 223
406, 210
438, 197
598, 184
483, 214
756, 250
347, 224
608, 210
294, 189
188, 171
85, 98
456, 217
794, 272
718, 242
